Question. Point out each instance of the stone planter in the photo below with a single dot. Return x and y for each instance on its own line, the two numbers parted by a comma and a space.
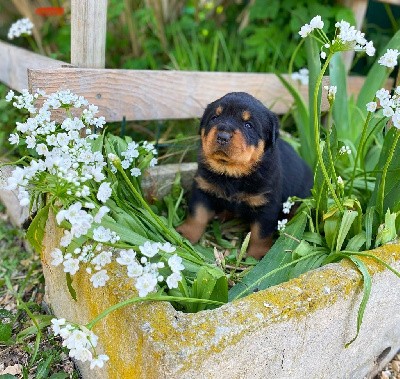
294, 330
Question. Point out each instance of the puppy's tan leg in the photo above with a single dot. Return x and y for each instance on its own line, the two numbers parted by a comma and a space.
194, 226
258, 246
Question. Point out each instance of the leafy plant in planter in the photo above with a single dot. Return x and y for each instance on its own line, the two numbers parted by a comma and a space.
355, 203
91, 183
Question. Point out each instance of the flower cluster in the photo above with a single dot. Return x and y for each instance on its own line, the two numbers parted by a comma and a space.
389, 103
64, 150
347, 37
132, 152
389, 59
80, 342
345, 150
315, 23
287, 206
22, 27
282, 224
146, 272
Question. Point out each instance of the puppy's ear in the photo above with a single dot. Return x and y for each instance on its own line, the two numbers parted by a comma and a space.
205, 117
271, 127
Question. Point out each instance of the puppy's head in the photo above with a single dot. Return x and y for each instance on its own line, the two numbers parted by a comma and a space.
235, 131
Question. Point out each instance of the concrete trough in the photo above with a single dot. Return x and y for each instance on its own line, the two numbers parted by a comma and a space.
294, 330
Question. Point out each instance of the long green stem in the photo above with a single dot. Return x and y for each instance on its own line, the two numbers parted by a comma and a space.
317, 134
381, 194
360, 149
156, 297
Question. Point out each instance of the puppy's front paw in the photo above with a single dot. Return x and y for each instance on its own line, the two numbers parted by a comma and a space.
188, 230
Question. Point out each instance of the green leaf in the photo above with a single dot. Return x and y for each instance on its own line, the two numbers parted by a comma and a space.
259, 277
340, 112
5, 332
369, 221
302, 119
36, 230
356, 242
71, 289
43, 322
43, 368
313, 237
391, 194
308, 264
367, 290
347, 220
331, 229
210, 284
8, 376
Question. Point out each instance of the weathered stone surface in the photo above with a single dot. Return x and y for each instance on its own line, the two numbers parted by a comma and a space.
295, 330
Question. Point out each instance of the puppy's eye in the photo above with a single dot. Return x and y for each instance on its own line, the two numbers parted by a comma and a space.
248, 125
214, 117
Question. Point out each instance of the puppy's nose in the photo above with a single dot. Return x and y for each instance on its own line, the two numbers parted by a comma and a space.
223, 137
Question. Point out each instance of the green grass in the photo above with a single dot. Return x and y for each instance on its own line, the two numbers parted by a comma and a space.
26, 344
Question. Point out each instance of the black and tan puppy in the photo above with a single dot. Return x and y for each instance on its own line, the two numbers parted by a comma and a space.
244, 168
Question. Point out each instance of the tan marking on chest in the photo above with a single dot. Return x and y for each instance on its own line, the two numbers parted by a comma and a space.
253, 200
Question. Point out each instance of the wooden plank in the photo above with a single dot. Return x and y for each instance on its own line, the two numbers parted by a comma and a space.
88, 33
154, 95
15, 61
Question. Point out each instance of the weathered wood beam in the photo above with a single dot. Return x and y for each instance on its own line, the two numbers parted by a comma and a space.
15, 61
154, 95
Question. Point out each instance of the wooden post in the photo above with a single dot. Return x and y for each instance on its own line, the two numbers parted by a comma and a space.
88, 33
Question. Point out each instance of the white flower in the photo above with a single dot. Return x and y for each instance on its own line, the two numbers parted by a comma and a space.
104, 192
370, 49
14, 139
10, 95
175, 263
21, 27
371, 106
56, 323
100, 214
323, 55
42, 149
99, 361
396, 120
388, 112
102, 259
149, 249
30, 142
146, 284
173, 280
82, 354
99, 279
331, 91
134, 270
126, 257
340, 181
71, 265
305, 30
301, 76
57, 256
345, 150
102, 234
317, 23
282, 224
167, 247
382, 94
389, 59
135, 172
153, 162
287, 206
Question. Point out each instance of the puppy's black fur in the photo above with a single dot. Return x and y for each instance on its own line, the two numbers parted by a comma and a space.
244, 168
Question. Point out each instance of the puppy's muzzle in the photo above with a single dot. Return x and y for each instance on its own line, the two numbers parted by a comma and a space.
223, 137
